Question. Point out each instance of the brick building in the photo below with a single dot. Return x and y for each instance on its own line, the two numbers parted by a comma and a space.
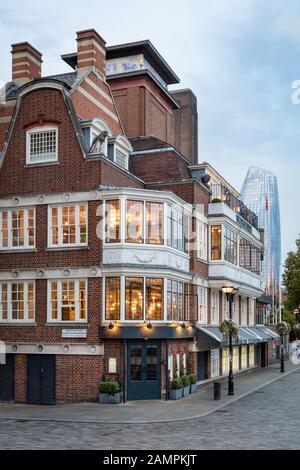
114, 242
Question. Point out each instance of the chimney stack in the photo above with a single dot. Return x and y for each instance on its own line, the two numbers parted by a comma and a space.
26, 63
91, 51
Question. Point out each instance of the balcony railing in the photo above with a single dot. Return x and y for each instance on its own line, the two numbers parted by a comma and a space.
222, 194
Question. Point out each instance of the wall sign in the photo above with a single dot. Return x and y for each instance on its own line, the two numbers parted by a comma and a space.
74, 333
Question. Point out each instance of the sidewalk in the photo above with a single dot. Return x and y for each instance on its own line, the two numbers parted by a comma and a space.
194, 406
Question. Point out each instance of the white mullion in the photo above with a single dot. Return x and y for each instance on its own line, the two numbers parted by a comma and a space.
9, 228
122, 228
59, 223
144, 300
25, 222
145, 225
25, 284
9, 301
77, 224
76, 295
165, 304
122, 298
59, 300
49, 300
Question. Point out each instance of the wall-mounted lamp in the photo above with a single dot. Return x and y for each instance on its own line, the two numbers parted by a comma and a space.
149, 325
111, 326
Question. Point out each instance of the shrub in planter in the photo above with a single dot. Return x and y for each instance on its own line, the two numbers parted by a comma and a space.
175, 392
229, 326
110, 392
186, 385
216, 200
193, 383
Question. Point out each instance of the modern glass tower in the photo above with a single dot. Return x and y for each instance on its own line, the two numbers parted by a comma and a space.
260, 194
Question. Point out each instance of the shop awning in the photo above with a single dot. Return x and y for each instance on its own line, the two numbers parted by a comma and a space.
211, 336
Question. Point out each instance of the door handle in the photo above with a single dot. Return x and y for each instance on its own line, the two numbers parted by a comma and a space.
42, 372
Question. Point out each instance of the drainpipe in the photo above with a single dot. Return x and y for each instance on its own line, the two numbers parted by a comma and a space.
167, 369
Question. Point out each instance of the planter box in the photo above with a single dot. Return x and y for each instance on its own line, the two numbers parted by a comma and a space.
175, 394
110, 399
193, 388
185, 391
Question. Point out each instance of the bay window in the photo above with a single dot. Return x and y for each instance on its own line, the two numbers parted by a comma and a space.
112, 221
244, 311
17, 228
17, 301
175, 228
202, 240
68, 225
112, 298
67, 301
216, 242
176, 307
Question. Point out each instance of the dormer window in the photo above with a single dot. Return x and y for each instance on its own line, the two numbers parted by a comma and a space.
118, 150
42, 145
96, 133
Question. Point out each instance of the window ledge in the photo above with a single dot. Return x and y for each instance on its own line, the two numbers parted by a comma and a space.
66, 323
19, 323
18, 250
30, 165
202, 260
63, 248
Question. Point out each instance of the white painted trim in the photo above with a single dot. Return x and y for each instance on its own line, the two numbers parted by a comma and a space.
37, 130
59, 302
51, 273
10, 246
59, 208
55, 198
56, 348
9, 302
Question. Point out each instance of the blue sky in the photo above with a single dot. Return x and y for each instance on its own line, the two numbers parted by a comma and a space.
240, 57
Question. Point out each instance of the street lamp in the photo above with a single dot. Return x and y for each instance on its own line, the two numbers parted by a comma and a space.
230, 292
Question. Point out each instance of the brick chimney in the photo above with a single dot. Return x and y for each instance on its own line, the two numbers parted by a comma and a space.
26, 63
91, 51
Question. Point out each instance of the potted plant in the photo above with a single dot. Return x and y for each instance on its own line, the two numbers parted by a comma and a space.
110, 392
216, 200
175, 392
228, 327
193, 383
185, 385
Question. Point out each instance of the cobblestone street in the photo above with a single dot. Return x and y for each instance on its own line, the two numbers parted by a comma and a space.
267, 419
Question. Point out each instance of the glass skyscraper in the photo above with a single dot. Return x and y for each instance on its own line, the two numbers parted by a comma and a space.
260, 194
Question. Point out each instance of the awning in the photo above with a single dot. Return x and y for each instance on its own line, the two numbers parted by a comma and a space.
211, 337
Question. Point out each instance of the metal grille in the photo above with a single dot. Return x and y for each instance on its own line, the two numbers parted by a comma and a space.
43, 146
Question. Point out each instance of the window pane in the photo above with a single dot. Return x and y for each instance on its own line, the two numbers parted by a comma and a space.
30, 300
42, 146
136, 363
54, 225
112, 298
151, 362
68, 225
4, 229
17, 293
112, 225
134, 298
154, 222
216, 242
134, 221
82, 300
154, 299
68, 301
82, 225
17, 229
180, 302
169, 300
4, 301
175, 300
31, 227
54, 301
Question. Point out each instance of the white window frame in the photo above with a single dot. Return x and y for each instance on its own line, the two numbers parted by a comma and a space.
215, 363
202, 237
244, 356
9, 302
59, 208
251, 312
171, 366
26, 245
59, 301
37, 130
202, 305
244, 311
214, 307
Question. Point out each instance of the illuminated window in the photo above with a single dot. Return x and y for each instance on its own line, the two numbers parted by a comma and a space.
154, 299
112, 222
67, 301
236, 359
42, 145
134, 298
134, 221
175, 228
112, 298
68, 225
17, 301
17, 228
216, 242
244, 357
251, 355
154, 218
225, 361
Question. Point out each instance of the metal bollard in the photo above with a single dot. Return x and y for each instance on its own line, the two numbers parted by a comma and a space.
217, 390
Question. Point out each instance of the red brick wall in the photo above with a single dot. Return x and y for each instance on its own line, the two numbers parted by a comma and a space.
20, 378
78, 377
